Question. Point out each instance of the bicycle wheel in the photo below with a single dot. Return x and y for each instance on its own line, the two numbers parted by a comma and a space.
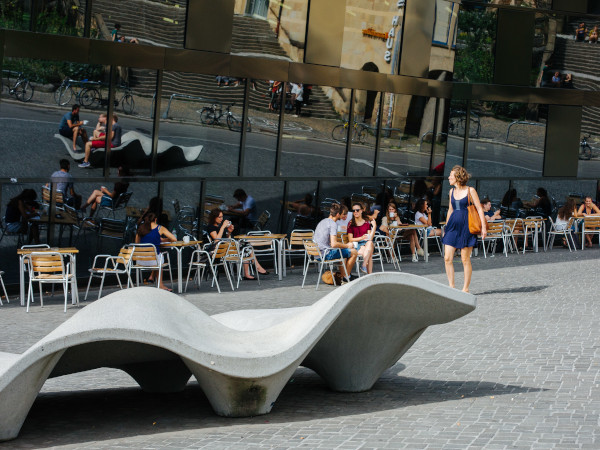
24, 91
63, 95
89, 96
339, 132
585, 152
456, 126
128, 104
233, 123
361, 134
207, 116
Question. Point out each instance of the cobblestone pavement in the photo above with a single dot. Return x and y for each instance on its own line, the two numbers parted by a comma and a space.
519, 372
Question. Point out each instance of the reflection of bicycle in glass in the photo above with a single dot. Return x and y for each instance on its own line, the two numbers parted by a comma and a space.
89, 95
585, 150
84, 91
359, 132
457, 124
211, 115
22, 89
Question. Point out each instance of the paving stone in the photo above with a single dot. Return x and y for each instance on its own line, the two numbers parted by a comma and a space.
519, 372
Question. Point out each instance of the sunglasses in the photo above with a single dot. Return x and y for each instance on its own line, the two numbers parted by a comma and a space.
356, 210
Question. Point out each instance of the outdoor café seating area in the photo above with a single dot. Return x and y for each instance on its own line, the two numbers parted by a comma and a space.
99, 252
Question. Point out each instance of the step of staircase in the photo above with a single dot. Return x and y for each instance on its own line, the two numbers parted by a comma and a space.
163, 23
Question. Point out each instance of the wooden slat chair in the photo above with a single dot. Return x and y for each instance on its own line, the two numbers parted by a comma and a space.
516, 230
342, 237
115, 204
49, 267
295, 244
201, 259
240, 256
591, 225
58, 197
385, 247
3, 288
267, 247
566, 231
107, 264
145, 257
314, 256
530, 227
495, 230
262, 221
111, 229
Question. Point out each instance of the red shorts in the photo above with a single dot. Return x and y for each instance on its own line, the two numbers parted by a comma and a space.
99, 144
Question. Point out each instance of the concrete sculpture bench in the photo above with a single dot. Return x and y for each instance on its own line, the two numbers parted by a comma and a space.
135, 151
241, 359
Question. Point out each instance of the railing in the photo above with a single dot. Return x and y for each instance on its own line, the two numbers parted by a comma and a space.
519, 122
165, 115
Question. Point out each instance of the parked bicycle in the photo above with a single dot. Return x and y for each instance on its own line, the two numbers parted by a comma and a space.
359, 132
22, 89
126, 100
457, 124
84, 92
211, 115
585, 150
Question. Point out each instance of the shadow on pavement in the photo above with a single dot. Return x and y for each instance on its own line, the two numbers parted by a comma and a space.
77, 417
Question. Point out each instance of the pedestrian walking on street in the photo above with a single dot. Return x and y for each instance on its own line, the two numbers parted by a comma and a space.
457, 234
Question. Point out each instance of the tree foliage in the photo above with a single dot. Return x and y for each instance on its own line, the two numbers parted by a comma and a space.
474, 62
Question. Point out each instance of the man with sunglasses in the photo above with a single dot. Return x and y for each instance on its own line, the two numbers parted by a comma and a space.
326, 238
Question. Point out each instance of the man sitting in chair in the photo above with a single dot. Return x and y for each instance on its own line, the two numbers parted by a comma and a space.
326, 238
246, 207
64, 183
104, 197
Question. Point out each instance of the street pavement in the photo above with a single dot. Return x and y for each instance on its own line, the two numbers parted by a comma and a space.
521, 371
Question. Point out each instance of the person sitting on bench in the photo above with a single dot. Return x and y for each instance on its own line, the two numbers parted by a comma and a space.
70, 127
115, 141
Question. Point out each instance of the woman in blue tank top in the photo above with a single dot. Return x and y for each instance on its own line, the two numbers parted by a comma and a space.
150, 232
456, 232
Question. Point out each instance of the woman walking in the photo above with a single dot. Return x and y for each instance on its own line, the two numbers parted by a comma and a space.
457, 234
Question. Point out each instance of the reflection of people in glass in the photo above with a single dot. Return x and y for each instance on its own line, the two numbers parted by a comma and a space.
568, 81
246, 207
18, 212
593, 35
580, 32
556, 80
70, 126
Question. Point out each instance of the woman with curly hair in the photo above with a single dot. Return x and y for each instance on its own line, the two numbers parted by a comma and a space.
457, 234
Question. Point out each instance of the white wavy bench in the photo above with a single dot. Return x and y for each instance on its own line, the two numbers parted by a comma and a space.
241, 359
135, 149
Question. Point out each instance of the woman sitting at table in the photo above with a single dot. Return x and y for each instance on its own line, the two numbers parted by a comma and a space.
423, 217
150, 232
361, 233
562, 218
588, 208
392, 219
19, 211
218, 229
104, 197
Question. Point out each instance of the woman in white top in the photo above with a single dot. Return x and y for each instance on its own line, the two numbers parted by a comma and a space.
392, 219
423, 217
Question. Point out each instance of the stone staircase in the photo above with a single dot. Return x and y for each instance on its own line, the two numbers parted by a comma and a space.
583, 61
163, 23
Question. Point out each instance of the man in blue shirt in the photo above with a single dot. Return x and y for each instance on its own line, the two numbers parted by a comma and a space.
64, 183
70, 127
246, 206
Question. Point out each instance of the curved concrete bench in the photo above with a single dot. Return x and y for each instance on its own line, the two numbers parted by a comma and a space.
135, 150
241, 359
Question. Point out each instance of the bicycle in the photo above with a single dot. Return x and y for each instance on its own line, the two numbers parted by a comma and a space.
126, 101
211, 115
359, 132
22, 89
457, 124
585, 150
85, 96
